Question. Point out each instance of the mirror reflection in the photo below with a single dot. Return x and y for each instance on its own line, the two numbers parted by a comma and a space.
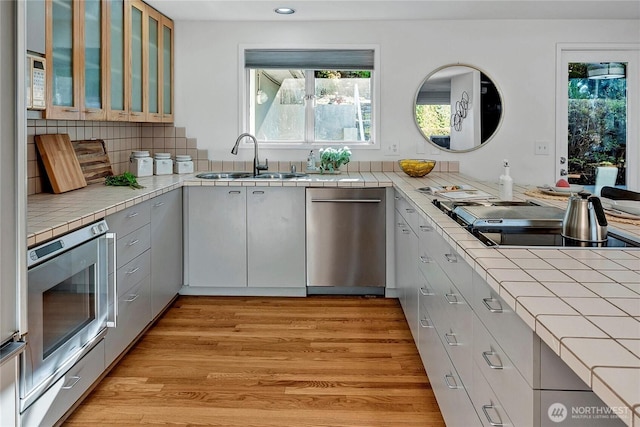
458, 108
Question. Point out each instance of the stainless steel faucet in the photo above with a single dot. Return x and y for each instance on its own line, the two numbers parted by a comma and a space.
257, 167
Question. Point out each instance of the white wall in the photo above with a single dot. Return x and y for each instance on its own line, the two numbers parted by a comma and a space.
519, 55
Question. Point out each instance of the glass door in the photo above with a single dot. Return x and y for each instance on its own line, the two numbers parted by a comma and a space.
597, 135
117, 99
154, 114
138, 62
93, 60
62, 35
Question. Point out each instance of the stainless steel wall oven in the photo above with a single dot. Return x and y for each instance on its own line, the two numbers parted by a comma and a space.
70, 285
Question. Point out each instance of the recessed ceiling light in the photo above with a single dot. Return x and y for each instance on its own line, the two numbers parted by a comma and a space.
284, 11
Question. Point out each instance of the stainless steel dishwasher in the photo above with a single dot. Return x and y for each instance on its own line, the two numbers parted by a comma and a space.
346, 241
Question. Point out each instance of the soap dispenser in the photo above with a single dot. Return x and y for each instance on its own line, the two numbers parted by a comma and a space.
311, 162
506, 183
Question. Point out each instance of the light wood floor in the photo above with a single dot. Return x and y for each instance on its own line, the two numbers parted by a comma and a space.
257, 362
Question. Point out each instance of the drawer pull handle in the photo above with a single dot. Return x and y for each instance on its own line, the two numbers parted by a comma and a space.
70, 383
452, 299
410, 210
425, 259
132, 271
396, 198
486, 354
453, 386
158, 204
71, 110
133, 242
487, 303
401, 224
451, 258
234, 192
451, 340
132, 298
426, 291
258, 192
426, 228
405, 231
426, 323
132, 214
485, 409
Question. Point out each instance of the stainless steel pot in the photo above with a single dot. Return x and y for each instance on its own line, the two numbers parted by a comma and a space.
584, 219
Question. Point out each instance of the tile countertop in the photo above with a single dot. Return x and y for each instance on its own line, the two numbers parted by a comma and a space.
584, 303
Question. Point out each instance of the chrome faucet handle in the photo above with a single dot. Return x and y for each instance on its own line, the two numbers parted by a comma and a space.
293, 168
263, 167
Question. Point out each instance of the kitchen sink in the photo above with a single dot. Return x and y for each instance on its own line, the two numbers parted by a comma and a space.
280, 175
224, 175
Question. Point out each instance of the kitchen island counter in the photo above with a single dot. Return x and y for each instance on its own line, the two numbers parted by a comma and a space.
584, 303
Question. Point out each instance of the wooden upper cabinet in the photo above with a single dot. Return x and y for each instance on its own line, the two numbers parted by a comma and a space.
154, 68
117, 48
108, 60
167, 69
75, 33
138, 62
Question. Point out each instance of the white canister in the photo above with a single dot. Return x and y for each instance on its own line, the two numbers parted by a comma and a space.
140, 163
183, 164
162, 164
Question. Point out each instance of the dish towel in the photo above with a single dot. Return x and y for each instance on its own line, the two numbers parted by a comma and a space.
605, 176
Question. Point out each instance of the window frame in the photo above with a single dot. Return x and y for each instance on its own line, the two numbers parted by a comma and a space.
246, 102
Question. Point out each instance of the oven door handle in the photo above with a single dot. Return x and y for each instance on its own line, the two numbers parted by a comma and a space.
112, 314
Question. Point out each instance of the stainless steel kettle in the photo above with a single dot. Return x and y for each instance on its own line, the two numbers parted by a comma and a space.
584, 219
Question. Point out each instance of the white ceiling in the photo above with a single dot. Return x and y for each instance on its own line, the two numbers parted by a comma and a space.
313, 10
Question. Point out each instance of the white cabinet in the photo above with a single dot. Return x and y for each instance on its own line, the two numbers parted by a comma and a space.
275, 237
133, 240
486, 366
166, 249
217, 237
244, 237
60, 397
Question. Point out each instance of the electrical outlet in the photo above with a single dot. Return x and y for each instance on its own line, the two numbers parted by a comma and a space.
541, 148
391, 149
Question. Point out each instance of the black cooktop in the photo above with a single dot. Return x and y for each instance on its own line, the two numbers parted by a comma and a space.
545, 237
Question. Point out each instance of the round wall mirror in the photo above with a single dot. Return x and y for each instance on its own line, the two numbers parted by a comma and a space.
458, 108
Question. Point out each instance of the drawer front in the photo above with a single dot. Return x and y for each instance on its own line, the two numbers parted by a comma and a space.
518, 340
133, 244
134, 314
449, 389
407, 210
487, 406
130, 219
133, 272
514, 393
56, 401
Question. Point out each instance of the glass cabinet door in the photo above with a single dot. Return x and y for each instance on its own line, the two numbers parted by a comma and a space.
93, 90
136, 107
117, 99
167, 70
153, 83
62, 19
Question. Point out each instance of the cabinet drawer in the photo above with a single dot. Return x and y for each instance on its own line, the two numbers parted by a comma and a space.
133, 272
452, 397
433, 246
489, 409
407, 210
58, 399
130, 219
511, 389
134, 314
133, 244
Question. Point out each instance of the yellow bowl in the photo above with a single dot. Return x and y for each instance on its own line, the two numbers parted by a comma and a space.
416, 167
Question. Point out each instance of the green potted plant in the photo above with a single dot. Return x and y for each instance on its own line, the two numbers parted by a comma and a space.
331, 159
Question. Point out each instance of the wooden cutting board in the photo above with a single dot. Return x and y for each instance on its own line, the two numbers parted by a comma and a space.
94, 160
60, 162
